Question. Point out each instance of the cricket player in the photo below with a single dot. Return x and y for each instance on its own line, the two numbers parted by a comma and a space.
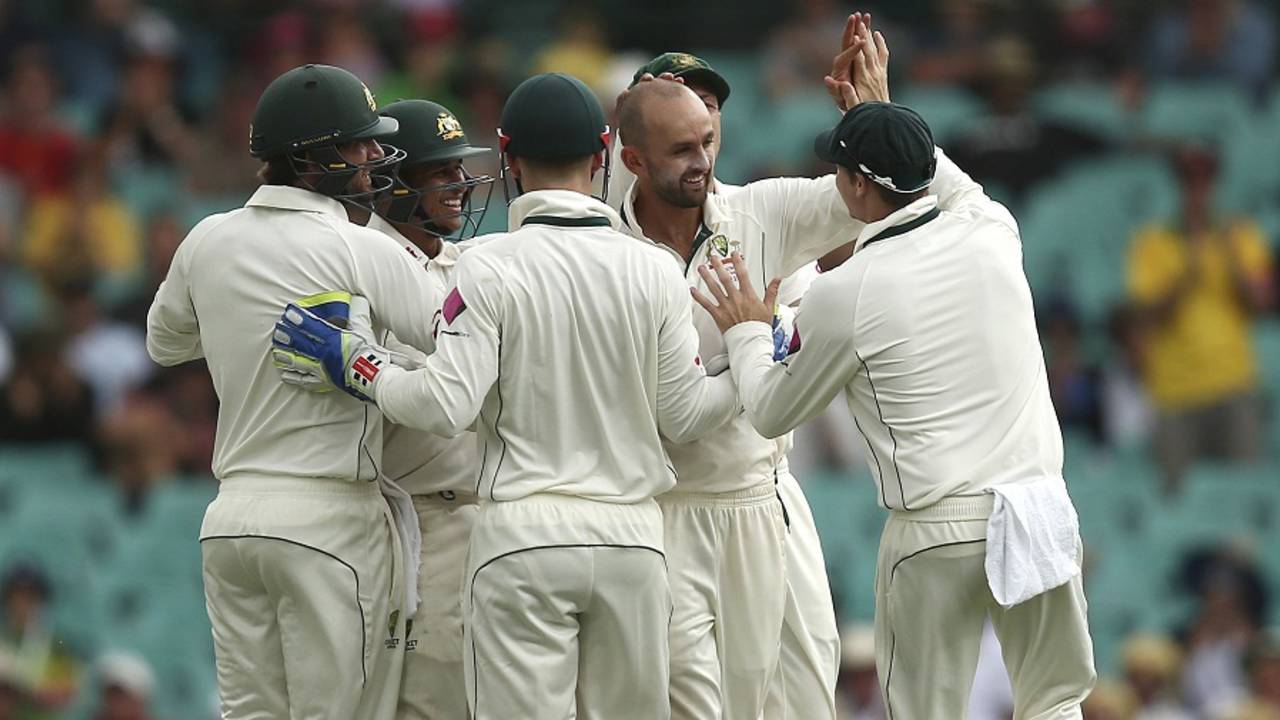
929, 331
575, 348
725, 527
804, 685
432, 201
300, 557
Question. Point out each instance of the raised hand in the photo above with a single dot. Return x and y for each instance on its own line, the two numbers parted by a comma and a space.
735, 302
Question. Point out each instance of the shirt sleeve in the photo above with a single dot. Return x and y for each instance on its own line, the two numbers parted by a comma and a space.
401, 295
812, 217
957, 192
444, 396
779, 397
173, 332
690, 404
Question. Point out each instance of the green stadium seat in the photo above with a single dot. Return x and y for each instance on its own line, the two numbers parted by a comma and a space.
1076, 230
793, 122
946, 109
1266, 343
1205, 112
849, 523
1088, 106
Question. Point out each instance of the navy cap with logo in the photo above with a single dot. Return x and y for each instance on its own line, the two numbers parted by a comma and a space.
690, 67
889, 143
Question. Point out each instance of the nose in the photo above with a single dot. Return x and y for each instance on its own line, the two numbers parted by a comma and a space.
702, 160
373, 150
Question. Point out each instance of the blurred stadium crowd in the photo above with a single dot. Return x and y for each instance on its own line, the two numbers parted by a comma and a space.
1138, 144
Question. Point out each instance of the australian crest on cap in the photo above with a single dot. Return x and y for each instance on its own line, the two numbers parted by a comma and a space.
448, 127
680, 61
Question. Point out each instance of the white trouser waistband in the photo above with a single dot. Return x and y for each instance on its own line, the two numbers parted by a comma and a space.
759, 495
268, 484
950, 509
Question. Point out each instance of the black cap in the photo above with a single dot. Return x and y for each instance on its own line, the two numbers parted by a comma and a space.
690, 67
890, 144
429, 132
554, 117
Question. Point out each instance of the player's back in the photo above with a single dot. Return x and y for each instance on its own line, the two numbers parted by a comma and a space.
237, 271
953, 373
575, 407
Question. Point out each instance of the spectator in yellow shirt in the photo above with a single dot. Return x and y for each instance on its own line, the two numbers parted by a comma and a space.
1200, 283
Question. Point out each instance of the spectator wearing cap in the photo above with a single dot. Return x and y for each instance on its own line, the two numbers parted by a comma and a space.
126, 684
1201, 281
36, 655
928, 331
1152, 664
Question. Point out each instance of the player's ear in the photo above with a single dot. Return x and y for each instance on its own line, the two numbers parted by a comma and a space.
514, 167
631, 159
861, 185
597, 161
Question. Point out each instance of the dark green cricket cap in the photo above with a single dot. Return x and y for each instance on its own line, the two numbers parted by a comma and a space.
889, 143
429, 132
553, 117
687, 66
313, 106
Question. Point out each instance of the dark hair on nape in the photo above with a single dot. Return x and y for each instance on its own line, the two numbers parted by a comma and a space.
278, 170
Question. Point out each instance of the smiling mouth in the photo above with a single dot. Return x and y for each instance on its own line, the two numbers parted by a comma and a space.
695, 183
452, 203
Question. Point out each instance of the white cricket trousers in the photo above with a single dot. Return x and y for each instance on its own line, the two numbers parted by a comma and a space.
804, 687
434, 683
300, 581
932, 600
727, 558
567, 608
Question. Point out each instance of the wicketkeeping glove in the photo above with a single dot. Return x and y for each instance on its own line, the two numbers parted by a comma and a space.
318, 355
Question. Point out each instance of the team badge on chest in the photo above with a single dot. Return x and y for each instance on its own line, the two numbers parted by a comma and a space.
720, 244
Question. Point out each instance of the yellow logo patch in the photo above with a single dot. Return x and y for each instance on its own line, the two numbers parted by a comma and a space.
682, 61
448, 127
368, 96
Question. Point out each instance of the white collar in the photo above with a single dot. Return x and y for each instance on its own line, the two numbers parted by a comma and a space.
287, 197
897, 217
713, 214
565, 205
382, 225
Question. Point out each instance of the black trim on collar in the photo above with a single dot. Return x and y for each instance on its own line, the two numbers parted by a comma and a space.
905, 227
557, 221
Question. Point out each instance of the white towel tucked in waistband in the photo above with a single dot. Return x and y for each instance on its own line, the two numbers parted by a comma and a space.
410, 533
1033, 540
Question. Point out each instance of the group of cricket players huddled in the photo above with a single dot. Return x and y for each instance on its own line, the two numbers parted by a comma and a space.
543, 473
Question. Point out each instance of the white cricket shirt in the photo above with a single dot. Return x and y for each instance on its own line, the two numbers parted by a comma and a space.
421, 462
780, 226
229, 282
928, 329
575, 346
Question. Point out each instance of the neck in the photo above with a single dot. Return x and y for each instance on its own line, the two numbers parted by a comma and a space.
426, 241
531, 182
672, 225
356, 214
